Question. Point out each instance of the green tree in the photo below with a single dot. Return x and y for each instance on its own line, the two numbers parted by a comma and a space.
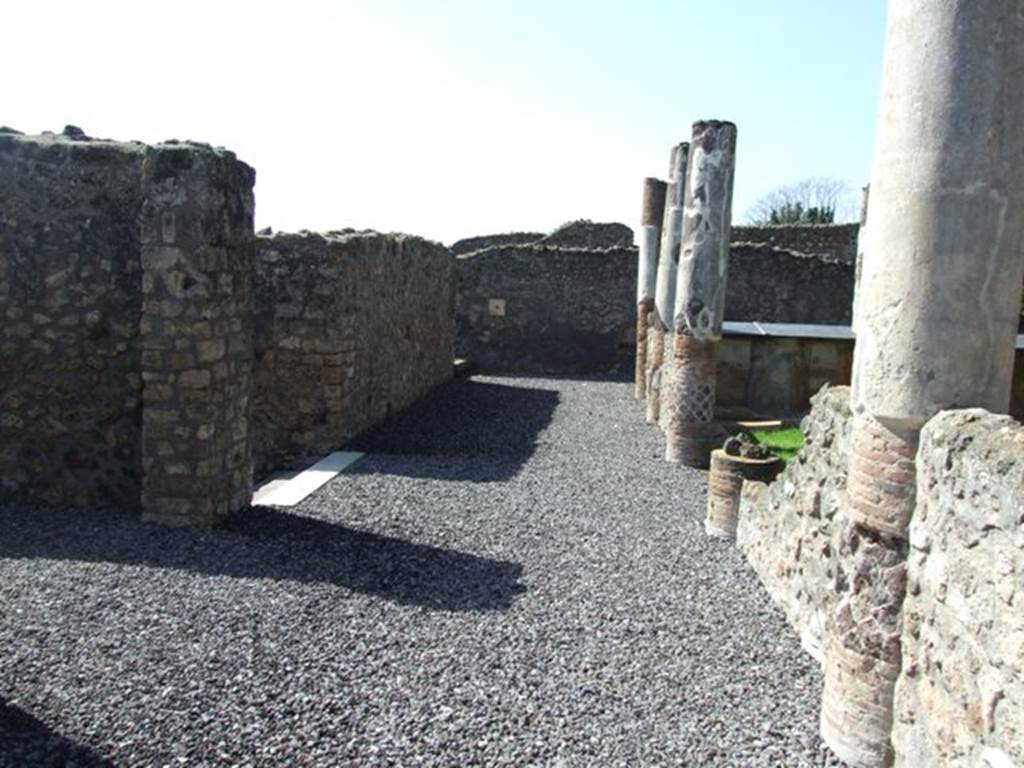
817, 200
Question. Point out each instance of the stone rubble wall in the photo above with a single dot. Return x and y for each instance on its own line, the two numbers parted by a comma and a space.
771, 285
350, 328
960, 696
837, 242
70, 389
791, 531
149, 354
102, 393
532, 308
574, 310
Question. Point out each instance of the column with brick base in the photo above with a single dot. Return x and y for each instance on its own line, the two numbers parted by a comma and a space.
937, 312
665, 283
700, 295
196, 332
651, 214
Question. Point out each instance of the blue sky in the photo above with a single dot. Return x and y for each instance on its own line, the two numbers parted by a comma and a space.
451, 118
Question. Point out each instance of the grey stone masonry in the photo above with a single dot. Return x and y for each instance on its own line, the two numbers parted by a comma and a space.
700, 294
70, 391
124, 288
196, 333
351, 327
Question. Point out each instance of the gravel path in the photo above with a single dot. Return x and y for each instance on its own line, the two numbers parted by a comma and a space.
511, 577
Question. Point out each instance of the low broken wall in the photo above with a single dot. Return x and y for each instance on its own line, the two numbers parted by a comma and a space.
532, 308
790, 530
960, 695
350, 328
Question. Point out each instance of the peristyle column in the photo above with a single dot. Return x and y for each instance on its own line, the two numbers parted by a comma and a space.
665, 284
700, 294
651, 214
937, 313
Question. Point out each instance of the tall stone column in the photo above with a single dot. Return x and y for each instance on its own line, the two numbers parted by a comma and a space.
651, 214
665, 284
700, 294
937, 315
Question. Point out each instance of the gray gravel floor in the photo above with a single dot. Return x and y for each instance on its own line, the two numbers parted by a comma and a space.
511, 577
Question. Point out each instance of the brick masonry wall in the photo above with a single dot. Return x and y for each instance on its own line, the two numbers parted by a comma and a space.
835, 241
791, 530
197, 259
70, 303
541, 309
350, 328
960, 695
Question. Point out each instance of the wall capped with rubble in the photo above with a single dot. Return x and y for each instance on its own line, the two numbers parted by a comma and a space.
350, 328
836, 242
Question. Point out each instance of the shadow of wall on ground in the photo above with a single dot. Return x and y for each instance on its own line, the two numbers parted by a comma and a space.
25, 740
470, 431
266, 543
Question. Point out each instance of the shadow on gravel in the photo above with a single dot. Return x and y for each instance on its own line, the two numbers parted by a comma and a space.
469, 430
25, 740
265, 543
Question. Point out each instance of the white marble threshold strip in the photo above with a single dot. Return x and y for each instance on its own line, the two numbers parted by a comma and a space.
289, 489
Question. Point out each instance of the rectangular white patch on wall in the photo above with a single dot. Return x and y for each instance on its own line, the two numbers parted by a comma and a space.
496, 307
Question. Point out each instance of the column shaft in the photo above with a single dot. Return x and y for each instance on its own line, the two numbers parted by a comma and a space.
700, 294
651, 215
665, 284
937, 313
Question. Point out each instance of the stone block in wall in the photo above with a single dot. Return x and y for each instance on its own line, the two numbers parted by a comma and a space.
960, 695
196, 333
351, 327
791, 531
